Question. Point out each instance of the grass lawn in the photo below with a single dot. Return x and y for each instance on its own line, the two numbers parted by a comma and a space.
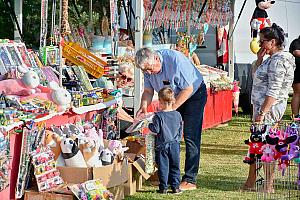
222, 170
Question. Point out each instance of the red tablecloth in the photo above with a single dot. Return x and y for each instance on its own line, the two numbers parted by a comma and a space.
218, 108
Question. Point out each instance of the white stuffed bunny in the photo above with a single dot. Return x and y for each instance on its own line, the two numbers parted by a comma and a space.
21, 87
54, 93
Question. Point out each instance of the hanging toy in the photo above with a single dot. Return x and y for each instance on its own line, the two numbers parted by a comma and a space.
259, 21
104, 24
236, 96
65, 18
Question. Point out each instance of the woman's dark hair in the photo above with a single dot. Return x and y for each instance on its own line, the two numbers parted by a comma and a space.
274, 32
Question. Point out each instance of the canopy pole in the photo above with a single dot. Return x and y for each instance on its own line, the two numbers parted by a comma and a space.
138, 76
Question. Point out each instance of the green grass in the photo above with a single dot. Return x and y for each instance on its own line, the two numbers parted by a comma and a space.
222, 171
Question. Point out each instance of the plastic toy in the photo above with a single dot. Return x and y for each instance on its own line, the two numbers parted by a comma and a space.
255, 144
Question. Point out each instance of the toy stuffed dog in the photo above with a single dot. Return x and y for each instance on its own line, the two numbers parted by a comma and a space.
107, 157
91, 154
70, 152
53, 140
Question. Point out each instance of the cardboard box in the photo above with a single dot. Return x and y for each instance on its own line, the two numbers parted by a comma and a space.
136, 174
118, 192
75, 174
111, 175
35, 195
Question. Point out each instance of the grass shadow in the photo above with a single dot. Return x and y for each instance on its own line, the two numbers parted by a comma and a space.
218, 182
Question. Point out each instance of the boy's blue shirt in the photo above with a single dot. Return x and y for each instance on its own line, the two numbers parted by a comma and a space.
167, 126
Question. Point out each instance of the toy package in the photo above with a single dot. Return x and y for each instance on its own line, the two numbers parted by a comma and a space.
46, 174
140, 124
92, 190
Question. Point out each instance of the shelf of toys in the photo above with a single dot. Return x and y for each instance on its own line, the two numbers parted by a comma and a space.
33, 107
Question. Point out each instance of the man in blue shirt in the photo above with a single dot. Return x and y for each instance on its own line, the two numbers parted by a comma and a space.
172, 68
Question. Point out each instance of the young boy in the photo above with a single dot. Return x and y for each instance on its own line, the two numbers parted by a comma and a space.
167, 124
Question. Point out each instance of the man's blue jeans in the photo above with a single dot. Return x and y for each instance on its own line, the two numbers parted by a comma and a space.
167, 158
192, 115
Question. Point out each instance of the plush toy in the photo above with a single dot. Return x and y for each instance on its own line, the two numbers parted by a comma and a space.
259, 20
91, 154
292, 141
70, 152
21, 87
107, 157
53, 140
268, 149
54, 93
255, 144
116, 147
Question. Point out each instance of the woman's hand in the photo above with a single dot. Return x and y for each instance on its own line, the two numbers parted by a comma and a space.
260, 55
259, 118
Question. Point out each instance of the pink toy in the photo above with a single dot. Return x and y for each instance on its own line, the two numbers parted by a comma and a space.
54, 93
21, 87
236, 96
116, 147
268, 149
268, 153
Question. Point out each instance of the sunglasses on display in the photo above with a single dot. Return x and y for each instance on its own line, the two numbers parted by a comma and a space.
124, 77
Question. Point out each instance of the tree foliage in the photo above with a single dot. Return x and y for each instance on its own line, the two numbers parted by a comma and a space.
32, 18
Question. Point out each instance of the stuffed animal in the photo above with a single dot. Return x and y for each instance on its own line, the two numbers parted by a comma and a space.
54, 93
268, 149
21, 87
91, 154
53, 140
259, 20
107, 157
292, 141
116, 147
70, 152
255, 144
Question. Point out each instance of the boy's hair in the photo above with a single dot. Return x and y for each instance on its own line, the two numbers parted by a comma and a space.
166, 95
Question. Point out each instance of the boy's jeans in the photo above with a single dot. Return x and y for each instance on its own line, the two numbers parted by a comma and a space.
167, 158
192, 115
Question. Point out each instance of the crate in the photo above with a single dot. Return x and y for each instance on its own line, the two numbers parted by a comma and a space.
276, 184
82, 57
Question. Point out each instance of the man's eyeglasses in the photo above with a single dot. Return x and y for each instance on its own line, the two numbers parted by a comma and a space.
262, 41
124, 77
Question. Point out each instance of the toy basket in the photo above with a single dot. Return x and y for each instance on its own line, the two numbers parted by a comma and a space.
82, 57
277, 184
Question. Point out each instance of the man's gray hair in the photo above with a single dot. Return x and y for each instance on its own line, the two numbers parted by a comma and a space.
144, 55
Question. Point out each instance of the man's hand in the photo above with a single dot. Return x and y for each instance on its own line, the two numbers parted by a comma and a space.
141, 112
